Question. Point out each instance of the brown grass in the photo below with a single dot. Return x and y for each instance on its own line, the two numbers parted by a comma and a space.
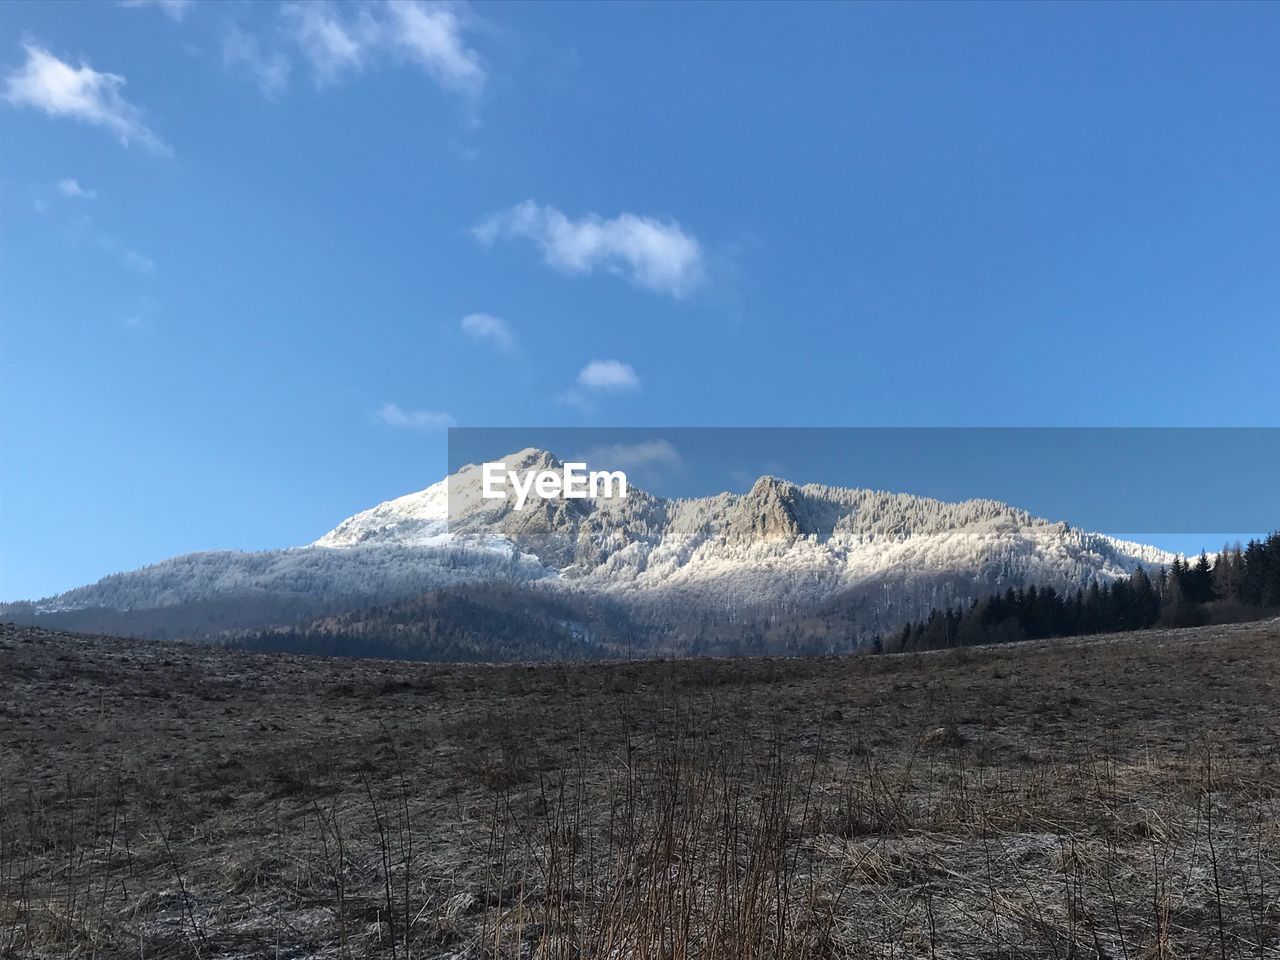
1117, 798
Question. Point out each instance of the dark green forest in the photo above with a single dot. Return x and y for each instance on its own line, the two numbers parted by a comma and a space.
1238, 583
511, 623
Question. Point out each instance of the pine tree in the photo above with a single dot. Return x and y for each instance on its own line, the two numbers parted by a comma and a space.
1253, 580
1145, 603
1176, 595
1201, 586
1271, 572
1173, 581
1174, 599
1223, 587
1237, 571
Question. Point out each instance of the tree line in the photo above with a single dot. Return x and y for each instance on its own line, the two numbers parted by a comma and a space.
1238, 583
495, 622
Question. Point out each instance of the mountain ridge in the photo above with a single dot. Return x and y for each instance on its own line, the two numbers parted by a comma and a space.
778, 549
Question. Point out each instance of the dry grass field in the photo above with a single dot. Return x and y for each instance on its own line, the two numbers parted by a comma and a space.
1115, 798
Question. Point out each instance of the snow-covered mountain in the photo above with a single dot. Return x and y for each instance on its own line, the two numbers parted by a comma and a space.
778, 548
778, 545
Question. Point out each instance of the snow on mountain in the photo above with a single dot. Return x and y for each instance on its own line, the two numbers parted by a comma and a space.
779, 546
415, 520
351, 575
422, 519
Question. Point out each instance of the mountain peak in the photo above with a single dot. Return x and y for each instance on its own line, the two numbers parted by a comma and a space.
769, 511
779, 545
768, 484
532, 458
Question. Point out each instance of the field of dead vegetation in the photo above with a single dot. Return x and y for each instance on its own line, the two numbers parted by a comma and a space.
1110, 798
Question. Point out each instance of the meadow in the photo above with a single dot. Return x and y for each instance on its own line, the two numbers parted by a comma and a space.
1117, 797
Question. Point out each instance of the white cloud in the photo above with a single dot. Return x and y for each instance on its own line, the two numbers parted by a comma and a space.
137, 261
173, 9
339, 40
127, 256
82, 93
332, 44
598, 377
124, 254
71, 189
146, 309
79, 227
430, 34
244, 54
612, 375
630, 456
658, 255
415, 419
483, 326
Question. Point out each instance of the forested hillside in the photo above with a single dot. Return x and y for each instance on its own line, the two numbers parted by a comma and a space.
1239, 583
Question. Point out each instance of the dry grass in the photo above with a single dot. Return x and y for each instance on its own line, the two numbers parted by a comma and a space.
1117, 798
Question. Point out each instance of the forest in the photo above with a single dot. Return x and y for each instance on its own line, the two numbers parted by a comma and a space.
1237, 584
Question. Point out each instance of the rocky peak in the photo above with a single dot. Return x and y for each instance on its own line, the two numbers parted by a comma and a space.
532, 458
769, 511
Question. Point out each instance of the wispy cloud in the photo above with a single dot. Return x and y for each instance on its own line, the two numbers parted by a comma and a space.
70, 188
652, 253
78, 227
632, 456
61, 90
493, 330
243, 53
124, 254
340, 40
136, 261
173, 9
608, 375
145, 310
426, 420
430, 34
331, 42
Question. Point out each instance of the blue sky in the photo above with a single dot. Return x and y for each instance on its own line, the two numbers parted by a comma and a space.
241, 242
